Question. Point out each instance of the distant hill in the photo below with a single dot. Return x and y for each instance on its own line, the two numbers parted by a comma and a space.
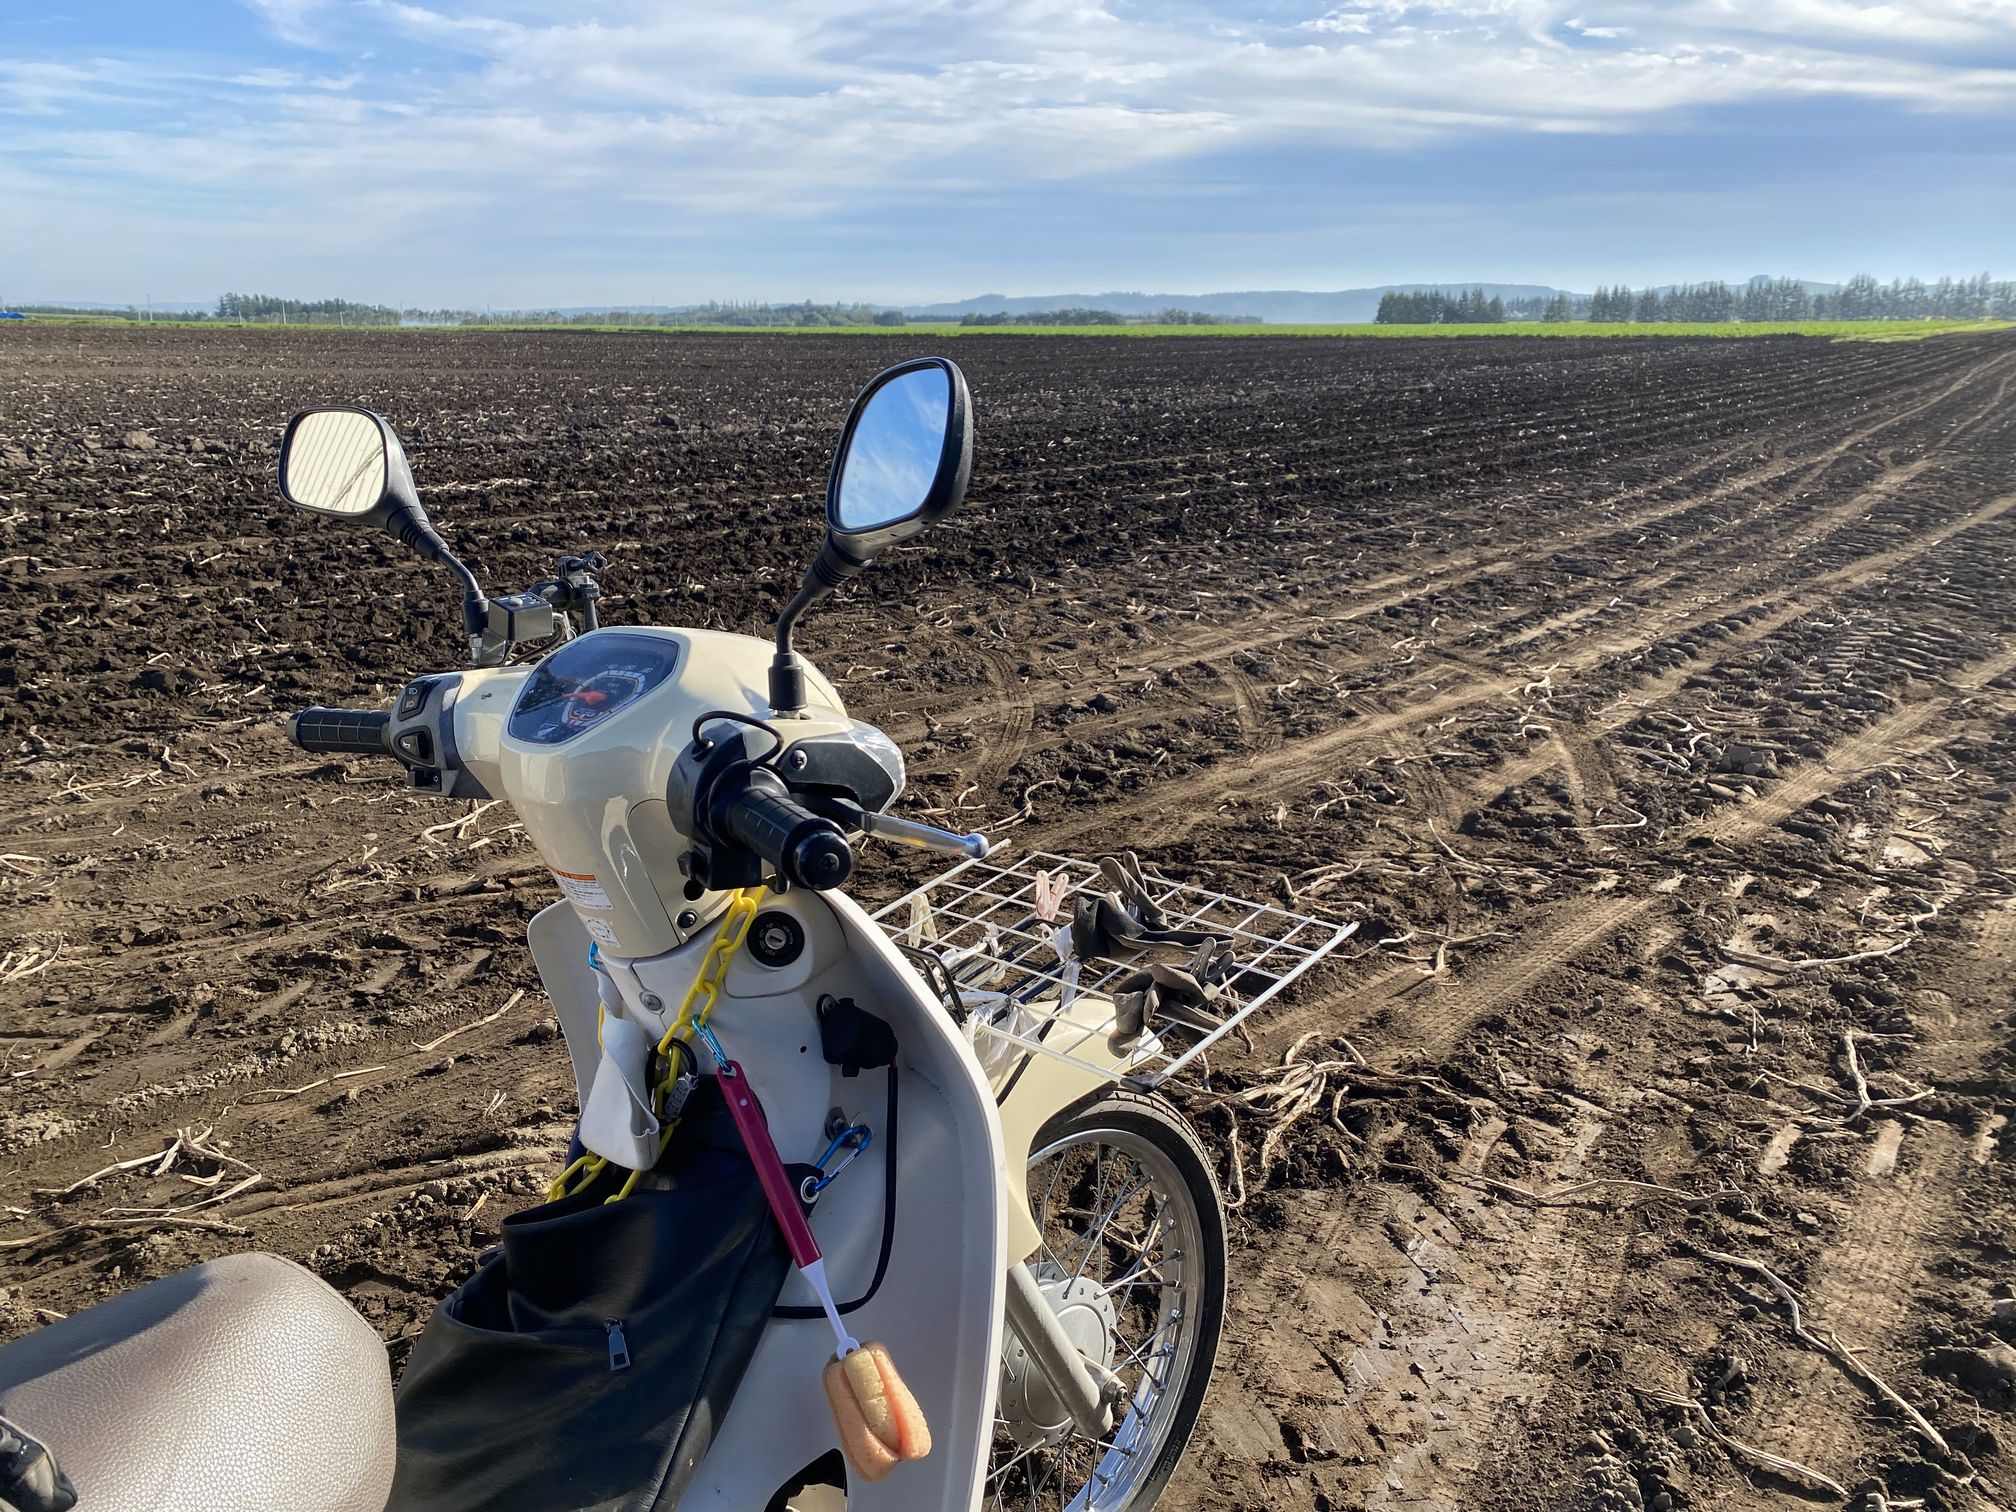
1275, 306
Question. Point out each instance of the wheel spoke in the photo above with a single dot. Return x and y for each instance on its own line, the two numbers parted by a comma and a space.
1096, 1233
1144, 1264
1001, 1470
1119, 1225
1134, 1353
1091, 1235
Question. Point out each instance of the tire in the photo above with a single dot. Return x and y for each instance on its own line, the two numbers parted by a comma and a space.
1185, 1299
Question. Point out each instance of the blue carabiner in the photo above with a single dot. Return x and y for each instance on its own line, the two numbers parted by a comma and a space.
854, 1139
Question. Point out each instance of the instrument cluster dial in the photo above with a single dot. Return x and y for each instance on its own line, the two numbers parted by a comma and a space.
587, 682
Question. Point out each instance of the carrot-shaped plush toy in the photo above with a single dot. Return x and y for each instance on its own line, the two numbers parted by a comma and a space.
879, 1421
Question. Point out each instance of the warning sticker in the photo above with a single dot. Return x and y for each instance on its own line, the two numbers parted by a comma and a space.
582, 890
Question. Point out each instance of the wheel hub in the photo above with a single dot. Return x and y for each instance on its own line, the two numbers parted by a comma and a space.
1032, 1411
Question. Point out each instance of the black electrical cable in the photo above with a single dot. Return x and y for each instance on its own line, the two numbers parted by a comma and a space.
888, 1137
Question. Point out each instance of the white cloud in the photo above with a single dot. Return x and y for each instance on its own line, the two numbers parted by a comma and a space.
288, 78
1342, 22
804, 107
1949, 23
290, 20
807, 64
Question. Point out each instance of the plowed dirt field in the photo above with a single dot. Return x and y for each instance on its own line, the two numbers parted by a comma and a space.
1648, 703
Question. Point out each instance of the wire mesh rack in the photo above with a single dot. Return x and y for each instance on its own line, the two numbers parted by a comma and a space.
981, 934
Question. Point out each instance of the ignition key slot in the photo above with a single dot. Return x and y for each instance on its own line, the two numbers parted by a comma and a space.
776, 939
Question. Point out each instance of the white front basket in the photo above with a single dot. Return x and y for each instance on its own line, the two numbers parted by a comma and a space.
981, 934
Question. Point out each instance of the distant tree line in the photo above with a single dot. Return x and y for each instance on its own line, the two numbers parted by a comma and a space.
272, 308
1704, 303
268, 309
103, 312
264, 308
1863, 298
1438, 307
1040, 317
1779, 299
1198, 317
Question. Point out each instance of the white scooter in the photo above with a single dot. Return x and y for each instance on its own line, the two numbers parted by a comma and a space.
1039, 1247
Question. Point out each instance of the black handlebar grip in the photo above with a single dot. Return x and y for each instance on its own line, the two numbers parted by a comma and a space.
759, 814
343, 732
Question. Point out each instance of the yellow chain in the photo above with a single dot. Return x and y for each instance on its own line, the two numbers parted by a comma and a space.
693, 1013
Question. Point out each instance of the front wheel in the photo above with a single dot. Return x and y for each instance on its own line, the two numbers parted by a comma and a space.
1133, 1262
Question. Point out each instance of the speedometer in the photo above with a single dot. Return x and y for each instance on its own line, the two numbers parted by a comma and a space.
588, 682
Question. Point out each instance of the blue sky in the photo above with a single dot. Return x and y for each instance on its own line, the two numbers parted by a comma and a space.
526, 152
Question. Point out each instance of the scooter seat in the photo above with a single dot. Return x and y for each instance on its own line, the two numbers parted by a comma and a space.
245, 1384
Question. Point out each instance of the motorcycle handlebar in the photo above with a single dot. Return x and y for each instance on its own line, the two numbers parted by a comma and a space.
758, 813
343, 732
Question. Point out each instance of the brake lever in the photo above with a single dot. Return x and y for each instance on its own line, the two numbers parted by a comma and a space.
906, 831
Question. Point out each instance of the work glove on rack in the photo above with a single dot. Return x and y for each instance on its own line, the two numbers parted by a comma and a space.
30, 1479
1127, 923
1182, 970
1179, 994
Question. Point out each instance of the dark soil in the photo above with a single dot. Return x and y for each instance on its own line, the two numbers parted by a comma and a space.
1586, 675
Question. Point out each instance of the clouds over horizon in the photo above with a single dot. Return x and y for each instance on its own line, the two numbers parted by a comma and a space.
376, 125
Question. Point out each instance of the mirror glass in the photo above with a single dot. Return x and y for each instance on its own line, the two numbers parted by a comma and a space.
335, 462
892, 458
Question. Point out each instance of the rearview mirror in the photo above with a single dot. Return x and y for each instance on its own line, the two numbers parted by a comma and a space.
347, 463
903, 462
333, 461
903, 459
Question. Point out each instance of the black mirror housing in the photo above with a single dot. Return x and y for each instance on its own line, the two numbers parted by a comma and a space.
909, 443
346, 462
861, 539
